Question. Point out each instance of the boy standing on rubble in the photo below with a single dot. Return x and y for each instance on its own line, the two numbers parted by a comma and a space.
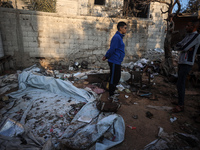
188, 48
115, 56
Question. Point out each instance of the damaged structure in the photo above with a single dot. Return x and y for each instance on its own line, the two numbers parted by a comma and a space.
78, 30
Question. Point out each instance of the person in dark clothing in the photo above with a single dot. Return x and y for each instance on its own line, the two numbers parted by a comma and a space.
188, 48
115, 56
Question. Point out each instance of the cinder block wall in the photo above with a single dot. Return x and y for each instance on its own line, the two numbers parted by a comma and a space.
32, 36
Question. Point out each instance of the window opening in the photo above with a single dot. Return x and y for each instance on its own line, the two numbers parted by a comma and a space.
99, 2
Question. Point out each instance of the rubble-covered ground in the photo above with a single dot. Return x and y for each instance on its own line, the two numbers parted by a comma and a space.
146, 110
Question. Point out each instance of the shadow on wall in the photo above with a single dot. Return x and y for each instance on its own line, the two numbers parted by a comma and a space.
51, 39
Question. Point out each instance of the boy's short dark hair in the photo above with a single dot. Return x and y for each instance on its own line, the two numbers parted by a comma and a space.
120, 24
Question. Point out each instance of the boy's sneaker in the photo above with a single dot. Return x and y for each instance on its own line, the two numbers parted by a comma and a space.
116, 93
113, 98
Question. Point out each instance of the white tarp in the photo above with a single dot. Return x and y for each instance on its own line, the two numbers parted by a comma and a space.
81, 135
46, 103
31, 82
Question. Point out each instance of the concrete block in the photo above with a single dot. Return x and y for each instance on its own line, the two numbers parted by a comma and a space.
97, 52
49, 50
28, 49
32, 34
28, 39
32, 44
64, 46
60, 51
53, 45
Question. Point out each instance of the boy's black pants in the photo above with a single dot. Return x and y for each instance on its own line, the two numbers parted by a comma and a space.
115, 75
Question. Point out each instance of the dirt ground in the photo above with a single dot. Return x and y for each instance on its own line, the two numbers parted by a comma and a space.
147, 129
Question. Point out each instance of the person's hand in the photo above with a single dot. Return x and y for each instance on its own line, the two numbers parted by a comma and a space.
104, 58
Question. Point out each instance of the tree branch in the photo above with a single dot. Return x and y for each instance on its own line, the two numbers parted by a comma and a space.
179, 7
163, 11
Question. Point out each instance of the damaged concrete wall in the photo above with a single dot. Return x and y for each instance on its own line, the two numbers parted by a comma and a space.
88, 7
61, 39
156, 32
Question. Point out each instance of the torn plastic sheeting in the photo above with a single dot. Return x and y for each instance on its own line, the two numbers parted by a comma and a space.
29, 81
125, 76
159, 50
120, 87
33, 68
8, 87
166, 141
26, 141
82, 135
11, 128
8, 82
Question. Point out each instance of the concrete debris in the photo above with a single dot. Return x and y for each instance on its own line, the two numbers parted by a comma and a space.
173, 141
8, 82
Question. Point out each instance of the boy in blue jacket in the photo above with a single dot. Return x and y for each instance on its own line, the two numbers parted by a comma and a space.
115, 56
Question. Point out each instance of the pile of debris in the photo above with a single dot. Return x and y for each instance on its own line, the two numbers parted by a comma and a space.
48, 112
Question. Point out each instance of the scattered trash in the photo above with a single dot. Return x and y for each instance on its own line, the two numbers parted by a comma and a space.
131, 127
144, 93
126, 96
84, 64
173, 119
135, 116
96, 89
120, 87
125, 76
8, 82
5, 98
127, 91
153, 97
85, 119
159, 50
71, 68
149, 115
172, 141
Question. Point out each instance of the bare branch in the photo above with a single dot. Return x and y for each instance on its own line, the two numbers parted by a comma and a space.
163, 11
179, 7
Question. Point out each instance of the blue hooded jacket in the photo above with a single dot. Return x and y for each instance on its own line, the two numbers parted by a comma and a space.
116, 52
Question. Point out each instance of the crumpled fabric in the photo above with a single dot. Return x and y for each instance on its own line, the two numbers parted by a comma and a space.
81, 135
31, 82
96, 89
8, 82
24, 141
